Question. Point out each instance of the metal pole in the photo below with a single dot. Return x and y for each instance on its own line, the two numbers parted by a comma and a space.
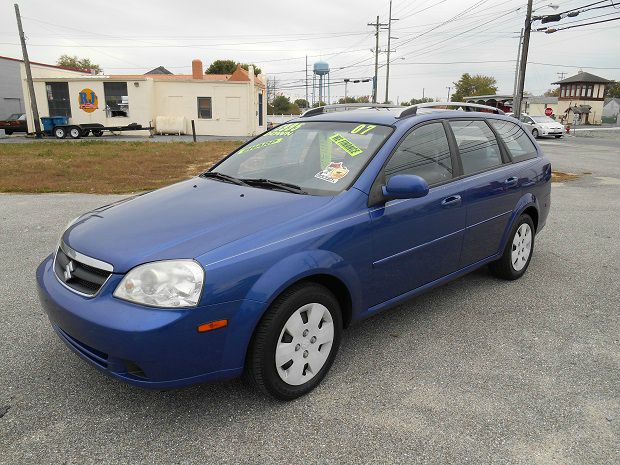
449, 92
306, 78
523, 62
375, 79
346, 82
516, 84
387, 71
33, 99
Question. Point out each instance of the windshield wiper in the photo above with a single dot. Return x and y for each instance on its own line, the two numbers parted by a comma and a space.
223, 177
261, 182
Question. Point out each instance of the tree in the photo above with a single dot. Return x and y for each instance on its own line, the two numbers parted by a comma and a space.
75, 62
229, 67
470, 85
281, 105
552, 92
417, 101
612, 90
347, 100
301, 103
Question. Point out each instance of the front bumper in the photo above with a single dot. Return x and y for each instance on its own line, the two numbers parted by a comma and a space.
148, 347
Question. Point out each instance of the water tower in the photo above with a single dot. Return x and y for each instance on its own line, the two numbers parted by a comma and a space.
320, 82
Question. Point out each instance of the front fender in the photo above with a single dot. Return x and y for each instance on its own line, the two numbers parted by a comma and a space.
301, 265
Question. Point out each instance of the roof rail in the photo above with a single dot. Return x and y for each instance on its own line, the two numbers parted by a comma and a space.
413, 109
344, 107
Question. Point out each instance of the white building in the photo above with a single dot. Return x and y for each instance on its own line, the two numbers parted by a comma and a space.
219, 104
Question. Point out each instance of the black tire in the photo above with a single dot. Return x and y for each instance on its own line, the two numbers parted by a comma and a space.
75, 132
557, 137
504, 268
260, 364
60, 132
8, 133
535, 133
97, 132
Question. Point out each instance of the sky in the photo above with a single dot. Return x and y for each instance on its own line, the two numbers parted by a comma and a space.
434, 41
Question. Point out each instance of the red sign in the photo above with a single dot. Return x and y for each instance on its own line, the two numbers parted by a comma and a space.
548, 111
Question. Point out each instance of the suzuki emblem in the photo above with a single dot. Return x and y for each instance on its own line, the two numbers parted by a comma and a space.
68, 270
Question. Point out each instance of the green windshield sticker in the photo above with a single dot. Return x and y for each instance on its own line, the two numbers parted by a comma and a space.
286, 129
345, 144
325, 149
363, 129
261, 145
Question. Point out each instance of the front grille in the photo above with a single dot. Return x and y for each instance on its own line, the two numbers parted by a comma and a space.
77, 275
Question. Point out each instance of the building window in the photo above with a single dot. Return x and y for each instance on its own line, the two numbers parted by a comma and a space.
116, 99
58, 102
204, 108
563, 91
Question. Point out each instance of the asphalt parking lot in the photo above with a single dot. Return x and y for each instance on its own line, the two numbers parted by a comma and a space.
477, 371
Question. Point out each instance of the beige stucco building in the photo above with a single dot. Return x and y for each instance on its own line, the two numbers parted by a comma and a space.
581, 99
219, 104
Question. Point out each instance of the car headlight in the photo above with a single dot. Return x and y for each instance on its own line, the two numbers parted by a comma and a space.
169, 283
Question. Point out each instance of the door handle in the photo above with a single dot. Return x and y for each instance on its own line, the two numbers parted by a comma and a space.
511, 182
451, 201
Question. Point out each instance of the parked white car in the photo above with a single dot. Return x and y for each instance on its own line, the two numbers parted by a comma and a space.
542, 125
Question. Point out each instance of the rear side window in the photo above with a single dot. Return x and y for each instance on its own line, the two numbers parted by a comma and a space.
424, 152
519, 144
478, 147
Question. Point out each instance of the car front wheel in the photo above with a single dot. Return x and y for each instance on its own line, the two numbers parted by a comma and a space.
296, 342
518, 252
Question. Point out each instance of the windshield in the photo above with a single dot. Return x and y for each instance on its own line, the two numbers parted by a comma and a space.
322, 158
13, 117
542, 119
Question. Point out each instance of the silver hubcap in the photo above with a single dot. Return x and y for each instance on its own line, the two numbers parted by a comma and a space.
521, 247
304, 344
75, 132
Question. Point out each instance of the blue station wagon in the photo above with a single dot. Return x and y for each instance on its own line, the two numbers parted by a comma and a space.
257, 265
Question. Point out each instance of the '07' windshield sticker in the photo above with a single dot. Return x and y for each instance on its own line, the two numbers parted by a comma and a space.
261, 145
286, 129
333, 172
345, 144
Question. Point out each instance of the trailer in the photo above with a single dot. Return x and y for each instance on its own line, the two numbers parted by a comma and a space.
77, 131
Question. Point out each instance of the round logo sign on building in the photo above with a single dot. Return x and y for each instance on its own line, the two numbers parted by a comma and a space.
88, 100
548, 111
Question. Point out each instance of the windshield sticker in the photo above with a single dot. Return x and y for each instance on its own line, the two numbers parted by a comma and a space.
333, 172
261, 145
363, 129
345, 144
286, 129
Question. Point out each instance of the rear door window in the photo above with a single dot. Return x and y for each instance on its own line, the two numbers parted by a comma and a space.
478, 147
424, 152
519, 144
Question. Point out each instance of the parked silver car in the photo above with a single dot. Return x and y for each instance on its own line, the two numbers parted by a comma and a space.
542, 125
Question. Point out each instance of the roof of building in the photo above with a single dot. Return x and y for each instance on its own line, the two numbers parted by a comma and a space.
542, 99
66, 68
610, 100
159, 70
582, 76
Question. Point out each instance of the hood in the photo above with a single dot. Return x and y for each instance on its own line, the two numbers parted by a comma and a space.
184, 220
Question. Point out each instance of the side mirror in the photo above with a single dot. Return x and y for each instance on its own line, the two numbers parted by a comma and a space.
405, 186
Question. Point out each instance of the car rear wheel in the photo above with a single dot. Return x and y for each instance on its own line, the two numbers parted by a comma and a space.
518, 252
535, 133
8, 133
296, 342
557, 137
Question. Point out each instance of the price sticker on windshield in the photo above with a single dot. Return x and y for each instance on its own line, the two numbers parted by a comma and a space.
260, 146
345, 144
286, 129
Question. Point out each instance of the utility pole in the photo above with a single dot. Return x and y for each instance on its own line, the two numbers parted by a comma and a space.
516, 84
377, 25
346, 83
33, 100
422, 93
523, 62
389, 50
561, 75
449, 88
307, 80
